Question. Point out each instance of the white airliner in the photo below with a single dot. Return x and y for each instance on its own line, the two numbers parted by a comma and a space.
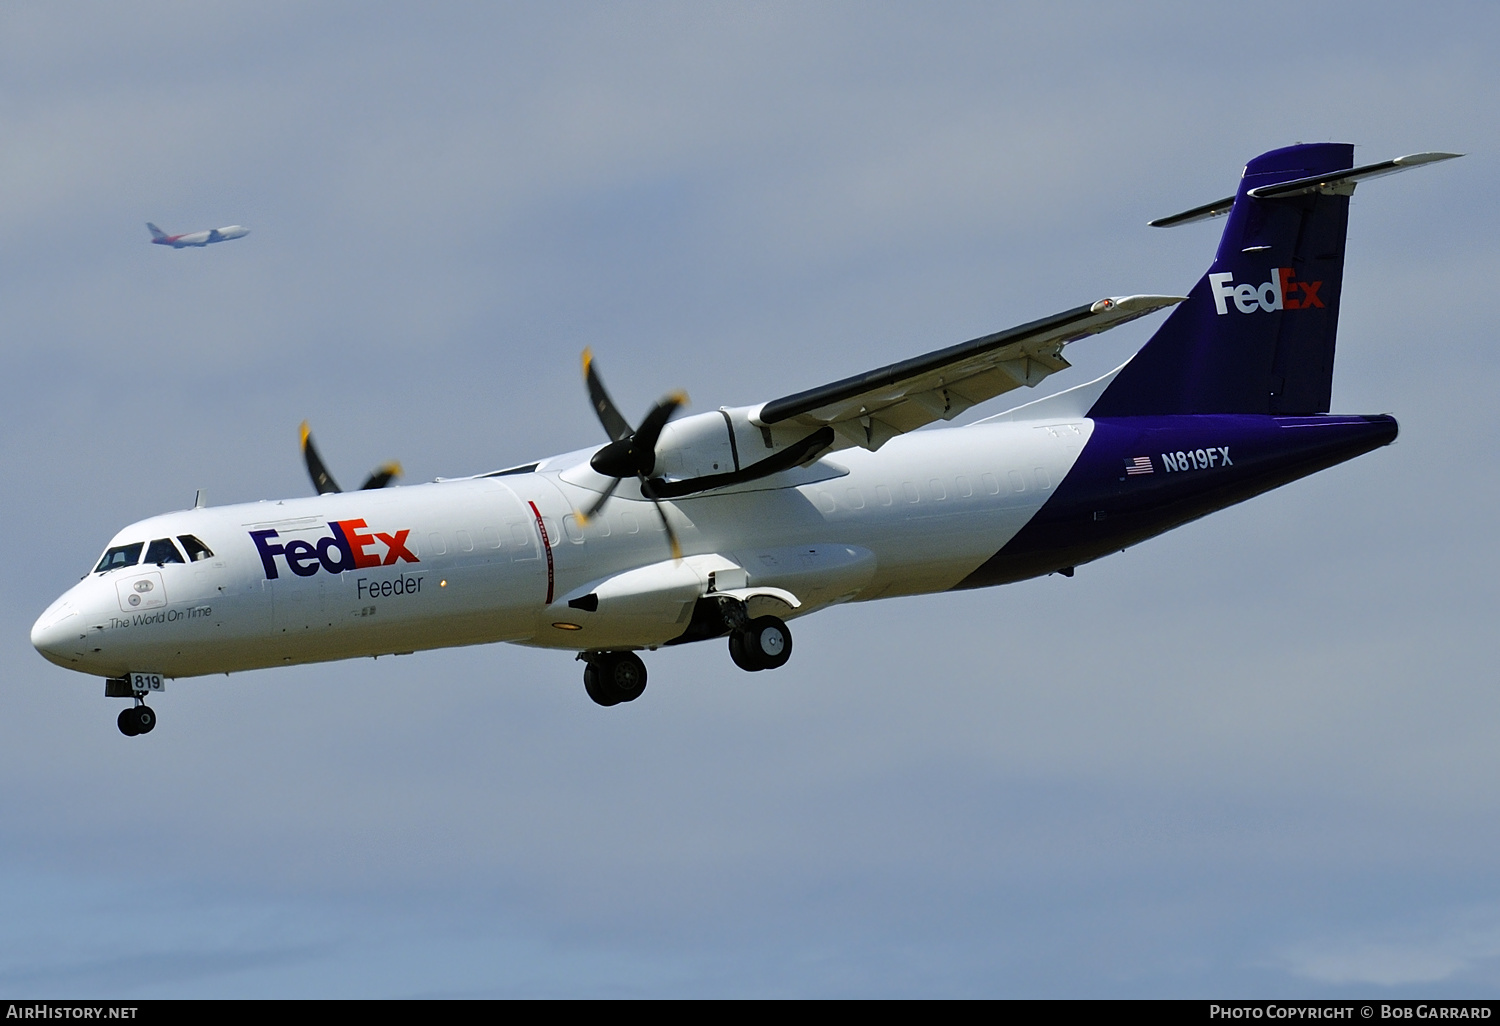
161, 238
729, 523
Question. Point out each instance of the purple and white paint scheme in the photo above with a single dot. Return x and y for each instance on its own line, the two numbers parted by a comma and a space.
729, 523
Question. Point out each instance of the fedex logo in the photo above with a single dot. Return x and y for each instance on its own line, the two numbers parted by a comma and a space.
351, 546
1282, 292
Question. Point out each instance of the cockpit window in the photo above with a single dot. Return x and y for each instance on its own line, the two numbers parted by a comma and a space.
195, 549
163, 551
120, 555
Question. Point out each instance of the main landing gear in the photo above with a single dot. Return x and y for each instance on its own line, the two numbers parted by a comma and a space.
138, 719
613, 677
764, 643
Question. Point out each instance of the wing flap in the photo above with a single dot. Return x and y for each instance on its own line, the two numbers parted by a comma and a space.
869, 409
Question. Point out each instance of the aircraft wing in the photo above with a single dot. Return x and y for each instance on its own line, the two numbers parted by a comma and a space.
869, 409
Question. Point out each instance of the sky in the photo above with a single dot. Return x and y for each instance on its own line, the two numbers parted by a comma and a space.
1253, 757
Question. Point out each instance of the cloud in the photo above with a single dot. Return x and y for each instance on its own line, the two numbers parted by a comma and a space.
1457, 948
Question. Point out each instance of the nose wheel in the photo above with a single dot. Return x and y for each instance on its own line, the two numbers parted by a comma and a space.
764, 643
613, 677
138, 719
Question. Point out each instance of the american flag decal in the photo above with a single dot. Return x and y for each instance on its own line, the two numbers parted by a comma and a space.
1139, 465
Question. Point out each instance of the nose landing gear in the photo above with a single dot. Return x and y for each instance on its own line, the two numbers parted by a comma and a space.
613, 677
138, 719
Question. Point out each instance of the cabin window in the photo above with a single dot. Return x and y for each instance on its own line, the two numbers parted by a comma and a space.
196, 551
163, 551
521, 538
120, 555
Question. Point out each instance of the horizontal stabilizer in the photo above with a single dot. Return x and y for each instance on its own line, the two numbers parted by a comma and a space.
1343, 183
1218, 208
1340, 183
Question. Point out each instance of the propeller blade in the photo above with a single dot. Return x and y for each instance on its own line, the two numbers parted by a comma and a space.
584, 516
650, 429
629, 452
666, 524
616, 426
321, 479
382, 476
643, 444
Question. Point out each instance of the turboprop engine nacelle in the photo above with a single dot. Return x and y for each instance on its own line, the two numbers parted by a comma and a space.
728, 441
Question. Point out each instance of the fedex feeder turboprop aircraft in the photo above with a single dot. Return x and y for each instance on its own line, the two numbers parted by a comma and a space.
729, 523
161, 238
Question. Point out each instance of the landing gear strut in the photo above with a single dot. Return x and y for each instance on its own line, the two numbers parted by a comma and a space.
764, 643
613, 677
138, 719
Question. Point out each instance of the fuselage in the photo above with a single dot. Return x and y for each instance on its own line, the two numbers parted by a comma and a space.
233, 231
505, 557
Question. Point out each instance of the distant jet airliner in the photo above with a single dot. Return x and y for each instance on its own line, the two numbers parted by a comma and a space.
728, 523
161, 238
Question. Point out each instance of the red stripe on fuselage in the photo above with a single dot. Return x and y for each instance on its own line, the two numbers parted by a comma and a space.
546, 547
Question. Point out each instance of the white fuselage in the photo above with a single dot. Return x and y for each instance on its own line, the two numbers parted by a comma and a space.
465, 562
233, 231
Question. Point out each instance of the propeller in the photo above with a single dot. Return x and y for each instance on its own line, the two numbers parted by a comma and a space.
323, 481
631, 452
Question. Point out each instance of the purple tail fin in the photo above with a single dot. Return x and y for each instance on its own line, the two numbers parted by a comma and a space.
1256, 334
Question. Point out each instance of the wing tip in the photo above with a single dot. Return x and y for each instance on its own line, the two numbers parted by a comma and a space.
1136, 304
1426, 157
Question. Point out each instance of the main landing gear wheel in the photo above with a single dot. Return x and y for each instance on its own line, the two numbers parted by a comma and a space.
138, 719
765, 644
614, 677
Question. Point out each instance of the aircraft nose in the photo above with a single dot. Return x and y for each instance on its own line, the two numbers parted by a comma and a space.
56, 631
